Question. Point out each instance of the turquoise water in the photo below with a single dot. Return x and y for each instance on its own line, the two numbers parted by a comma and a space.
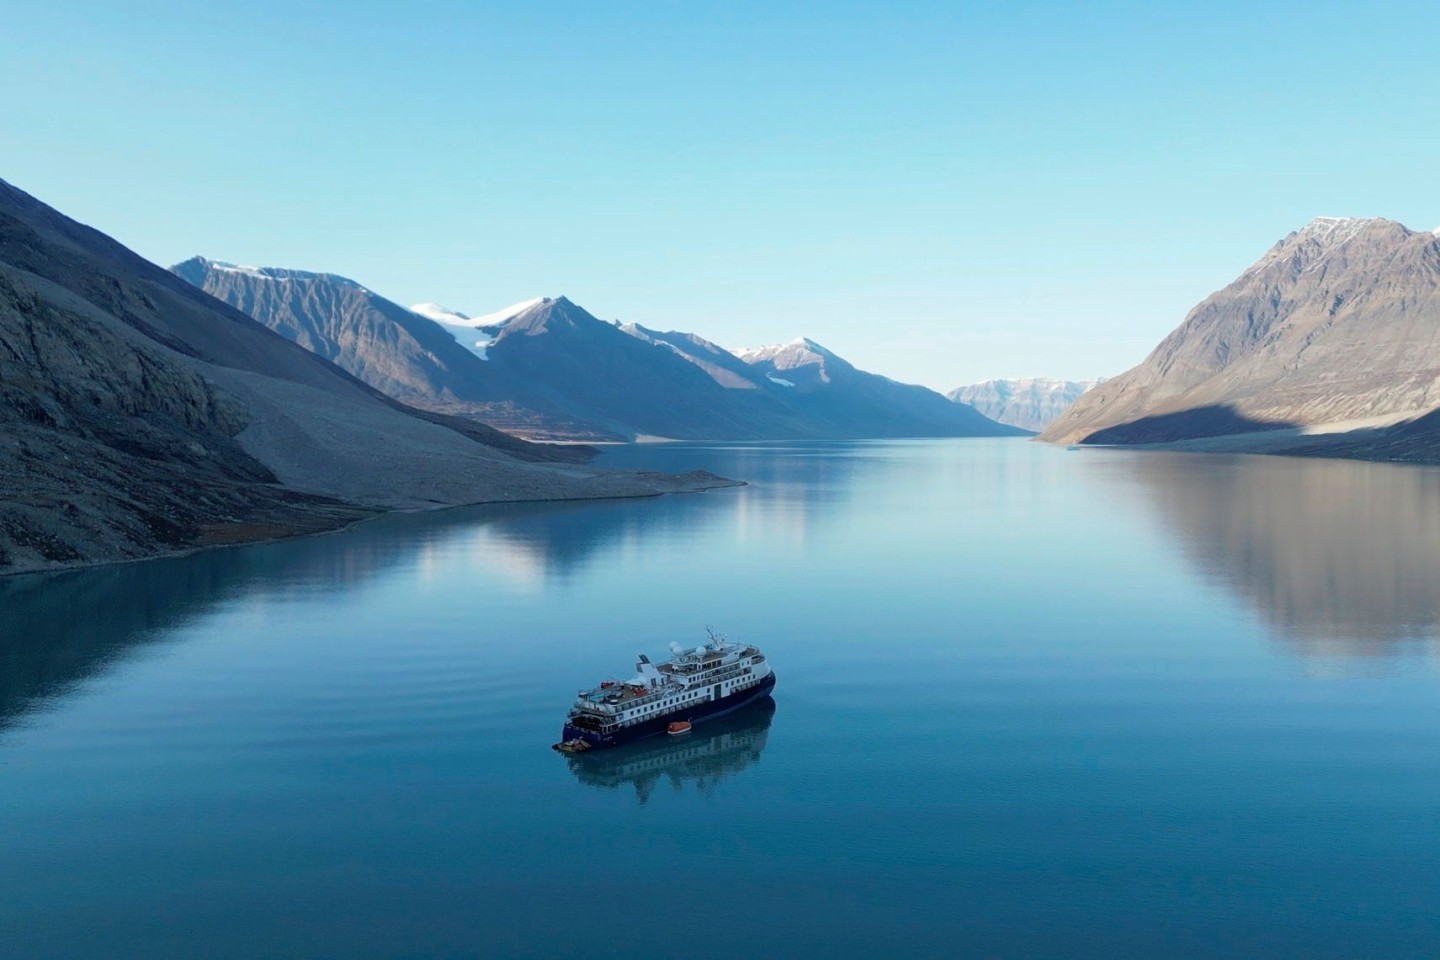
1031, 703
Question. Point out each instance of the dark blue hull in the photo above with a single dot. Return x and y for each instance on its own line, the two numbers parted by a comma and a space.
695, 713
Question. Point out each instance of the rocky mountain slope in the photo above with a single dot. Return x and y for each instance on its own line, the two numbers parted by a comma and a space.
1338, 322
681, 385
139, 415
435, 360
629, 385
548, 368
1029, 404
828, 389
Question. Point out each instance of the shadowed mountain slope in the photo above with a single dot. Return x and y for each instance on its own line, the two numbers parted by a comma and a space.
630, 385
830, 390
139, 415
679, 385
547, 368
413, 358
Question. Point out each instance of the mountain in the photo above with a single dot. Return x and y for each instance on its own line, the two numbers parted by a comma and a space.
467, 330
1339, 322
830, 390
547, 368
823, 394
630, 385
140, 416
425, 357
542, 368
1029, 404
724, 367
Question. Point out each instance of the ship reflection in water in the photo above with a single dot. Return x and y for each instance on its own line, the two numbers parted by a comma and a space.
706, 755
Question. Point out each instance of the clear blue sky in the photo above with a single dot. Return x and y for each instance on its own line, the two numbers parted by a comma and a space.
941, 192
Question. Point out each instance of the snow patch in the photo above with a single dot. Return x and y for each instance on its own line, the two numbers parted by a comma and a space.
263, 273
506, 313
476, 341
433, 311
444, 315
465, 329
781, 382
799, 345
1337, 230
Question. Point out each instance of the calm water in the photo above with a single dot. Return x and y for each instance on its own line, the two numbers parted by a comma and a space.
1032, 703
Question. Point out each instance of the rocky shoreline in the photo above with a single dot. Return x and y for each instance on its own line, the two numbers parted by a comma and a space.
320, 518
141, 417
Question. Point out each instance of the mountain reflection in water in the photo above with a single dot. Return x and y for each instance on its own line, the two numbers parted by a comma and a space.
58, 630
706, 755
1338, 557
1037, 703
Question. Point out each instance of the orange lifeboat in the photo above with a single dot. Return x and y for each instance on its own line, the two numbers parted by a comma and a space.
678, 727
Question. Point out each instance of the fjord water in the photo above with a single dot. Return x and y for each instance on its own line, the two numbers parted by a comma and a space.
1032, 702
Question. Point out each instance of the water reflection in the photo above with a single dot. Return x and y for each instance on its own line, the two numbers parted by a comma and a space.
536, 544
703, 757
57, 630
794, 490
1338, 557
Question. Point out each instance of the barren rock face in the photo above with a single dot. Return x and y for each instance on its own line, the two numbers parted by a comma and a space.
398, 352
1338, 321
552, 370
110, 450
139, 416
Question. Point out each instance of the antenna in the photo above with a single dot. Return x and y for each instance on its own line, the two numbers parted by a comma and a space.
717, 640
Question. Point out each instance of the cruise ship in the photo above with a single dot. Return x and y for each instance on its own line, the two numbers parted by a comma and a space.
714, 679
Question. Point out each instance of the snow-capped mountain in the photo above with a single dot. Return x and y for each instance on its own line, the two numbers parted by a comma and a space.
547, 368
414, 358
632, 380
1029, 403
802, 357
140, 416
470, 332
829, 389
464, 329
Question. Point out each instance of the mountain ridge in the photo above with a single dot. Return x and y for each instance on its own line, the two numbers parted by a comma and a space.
579, 377
140, 416
1337, 321
415, 359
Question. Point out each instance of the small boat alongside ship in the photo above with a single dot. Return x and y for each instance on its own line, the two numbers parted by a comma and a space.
712, 680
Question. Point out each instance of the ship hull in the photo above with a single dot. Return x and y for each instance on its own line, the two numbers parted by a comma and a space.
654, 726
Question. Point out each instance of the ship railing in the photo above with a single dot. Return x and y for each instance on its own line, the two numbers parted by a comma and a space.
614, 709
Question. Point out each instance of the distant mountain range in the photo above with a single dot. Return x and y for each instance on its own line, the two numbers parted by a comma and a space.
140, 415
1029, 404
1320, 346
415, 359
547, 368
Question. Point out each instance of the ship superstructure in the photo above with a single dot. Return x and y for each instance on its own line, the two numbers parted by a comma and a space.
693, 685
